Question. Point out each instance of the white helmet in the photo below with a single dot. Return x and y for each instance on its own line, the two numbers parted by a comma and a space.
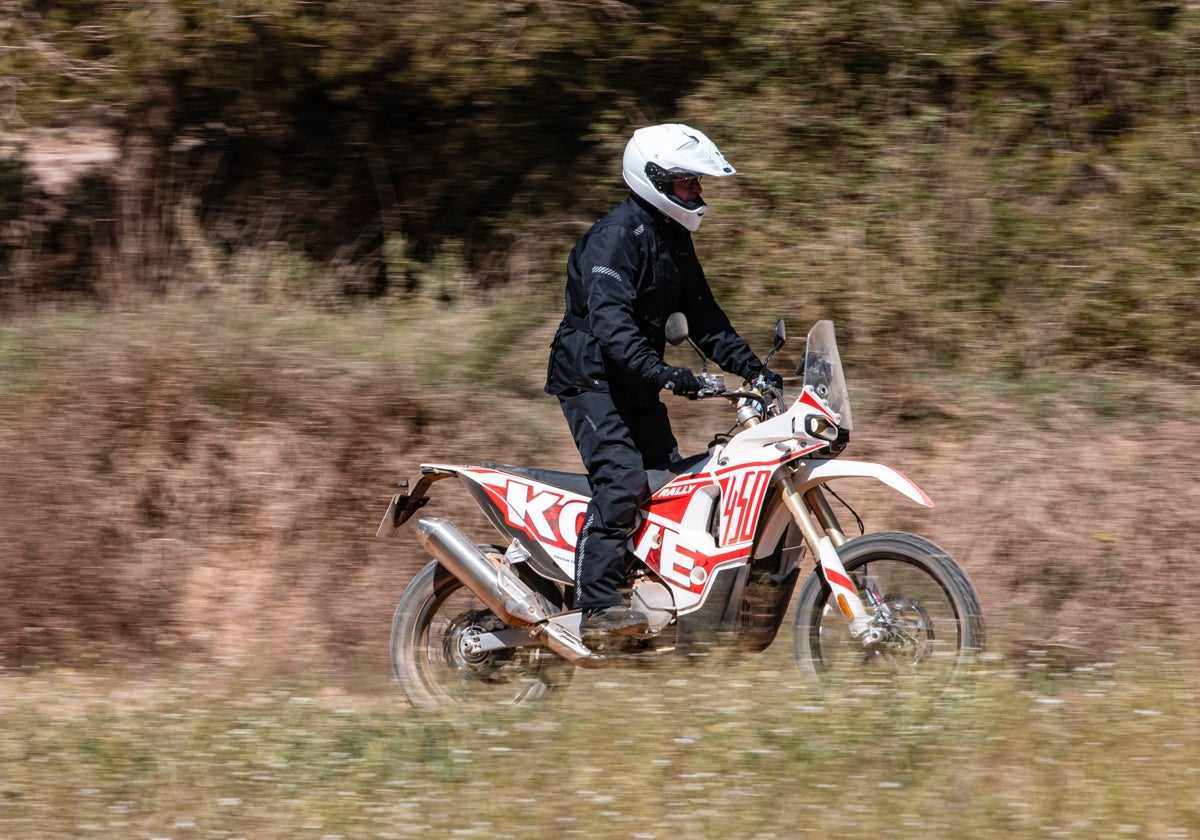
659, 153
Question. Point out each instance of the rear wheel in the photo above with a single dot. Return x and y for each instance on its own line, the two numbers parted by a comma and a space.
926, 618
440, 653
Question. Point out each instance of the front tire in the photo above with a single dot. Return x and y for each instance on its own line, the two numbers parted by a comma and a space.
433, 660
928, 621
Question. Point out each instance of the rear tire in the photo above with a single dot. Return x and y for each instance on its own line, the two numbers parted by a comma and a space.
935, 621
435, 668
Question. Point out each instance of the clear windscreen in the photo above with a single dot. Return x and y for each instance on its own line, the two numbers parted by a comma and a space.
823, 372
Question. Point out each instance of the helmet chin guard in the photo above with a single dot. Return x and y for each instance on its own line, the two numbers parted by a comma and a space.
659, 153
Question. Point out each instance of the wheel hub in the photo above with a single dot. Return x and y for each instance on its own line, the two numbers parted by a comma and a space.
470, 646
463, 645
901, 630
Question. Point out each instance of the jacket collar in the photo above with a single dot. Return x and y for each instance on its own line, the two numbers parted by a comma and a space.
653, 215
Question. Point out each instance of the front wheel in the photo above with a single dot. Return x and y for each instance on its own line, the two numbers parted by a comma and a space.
438, 658
925, 615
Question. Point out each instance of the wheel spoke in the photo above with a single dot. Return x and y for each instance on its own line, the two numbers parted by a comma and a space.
447, 646
924, 613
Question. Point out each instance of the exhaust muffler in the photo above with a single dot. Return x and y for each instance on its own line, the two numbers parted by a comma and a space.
498, 586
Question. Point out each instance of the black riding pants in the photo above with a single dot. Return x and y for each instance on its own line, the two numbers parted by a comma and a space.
619, 438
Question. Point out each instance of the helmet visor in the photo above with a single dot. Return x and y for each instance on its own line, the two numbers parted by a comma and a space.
663, 178
682, 176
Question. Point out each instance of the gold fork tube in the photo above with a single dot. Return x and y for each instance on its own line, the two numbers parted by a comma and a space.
801, 513
825, 515
825, 552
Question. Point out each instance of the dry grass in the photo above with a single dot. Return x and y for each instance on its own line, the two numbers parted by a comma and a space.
207, 478
212, 477
195, 610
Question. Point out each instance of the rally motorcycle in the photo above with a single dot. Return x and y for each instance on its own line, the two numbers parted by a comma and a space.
715, 559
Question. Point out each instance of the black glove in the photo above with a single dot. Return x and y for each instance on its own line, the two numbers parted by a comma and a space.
772, 378
680, 380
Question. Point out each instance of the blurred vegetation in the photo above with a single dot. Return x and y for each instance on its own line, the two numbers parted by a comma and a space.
1008, 182
709, 751
259, 258
205, 476
246, 244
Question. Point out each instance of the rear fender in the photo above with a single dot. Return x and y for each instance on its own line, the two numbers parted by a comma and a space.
810, 474
405, 503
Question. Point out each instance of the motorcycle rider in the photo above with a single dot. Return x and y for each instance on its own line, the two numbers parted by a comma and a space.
631, 270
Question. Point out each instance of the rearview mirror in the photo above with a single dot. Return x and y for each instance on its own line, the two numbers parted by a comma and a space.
676, 331
677, 328
780, 340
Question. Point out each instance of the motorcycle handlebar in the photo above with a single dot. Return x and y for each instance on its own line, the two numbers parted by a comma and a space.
734, 396
761, 399
714, 386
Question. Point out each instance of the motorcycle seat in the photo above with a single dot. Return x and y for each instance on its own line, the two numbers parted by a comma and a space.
579, 484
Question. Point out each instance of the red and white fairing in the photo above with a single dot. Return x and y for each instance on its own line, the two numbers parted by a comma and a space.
708, 516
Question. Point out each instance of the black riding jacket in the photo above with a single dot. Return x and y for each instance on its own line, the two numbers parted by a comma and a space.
624, 277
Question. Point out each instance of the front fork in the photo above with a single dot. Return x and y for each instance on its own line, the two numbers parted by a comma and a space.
823, 535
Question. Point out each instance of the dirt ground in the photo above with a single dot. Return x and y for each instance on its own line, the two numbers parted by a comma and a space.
146, 512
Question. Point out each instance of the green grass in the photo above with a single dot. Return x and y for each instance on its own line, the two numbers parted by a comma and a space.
714, 750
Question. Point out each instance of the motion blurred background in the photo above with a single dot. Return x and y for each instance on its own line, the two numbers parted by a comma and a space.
261, 258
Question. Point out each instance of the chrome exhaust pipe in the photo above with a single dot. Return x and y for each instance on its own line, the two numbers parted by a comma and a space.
504, 593
497, 586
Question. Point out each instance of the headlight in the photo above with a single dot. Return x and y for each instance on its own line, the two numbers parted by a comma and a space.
816, 426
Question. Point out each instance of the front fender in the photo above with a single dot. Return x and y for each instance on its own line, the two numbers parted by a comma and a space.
810, 474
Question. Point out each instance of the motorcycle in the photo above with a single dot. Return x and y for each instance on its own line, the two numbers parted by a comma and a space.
716, 557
